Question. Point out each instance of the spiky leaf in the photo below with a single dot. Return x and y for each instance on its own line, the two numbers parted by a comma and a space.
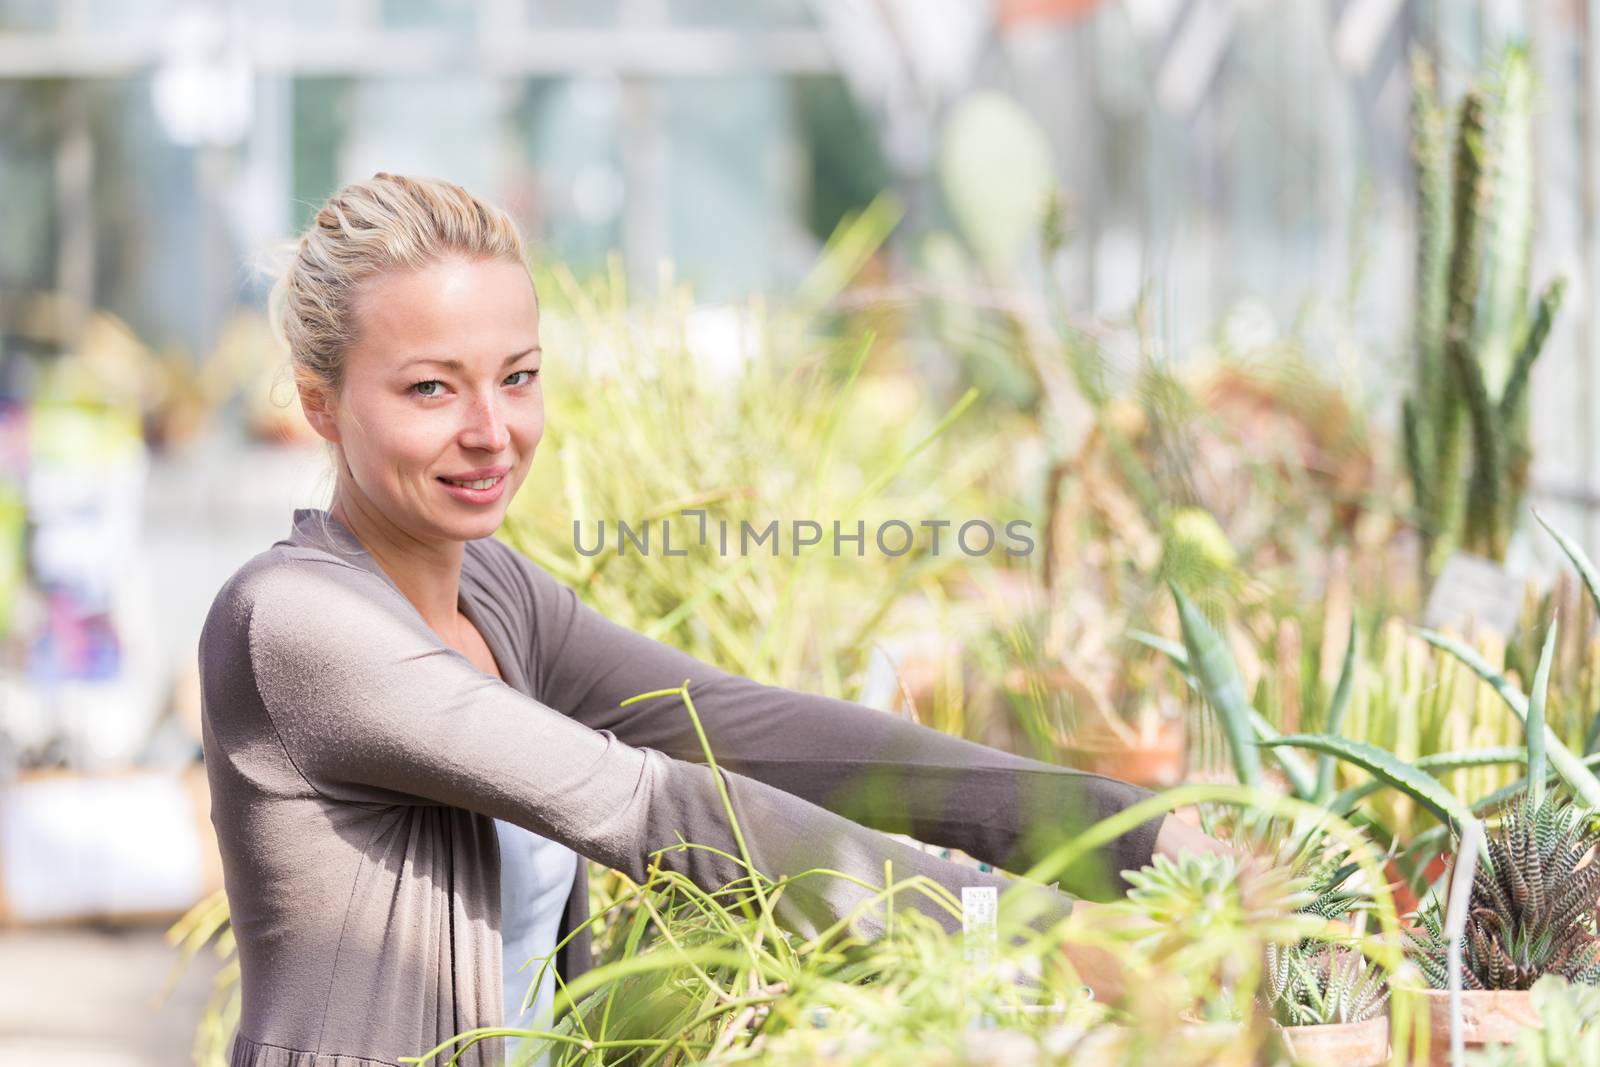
1383, 764
1221, 685
1573, 770
1535, 721
1336, 711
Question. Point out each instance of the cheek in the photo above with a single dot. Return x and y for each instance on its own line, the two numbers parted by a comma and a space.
530, 421
389, 437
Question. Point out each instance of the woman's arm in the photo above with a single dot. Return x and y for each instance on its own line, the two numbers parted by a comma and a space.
371, 708
876, 769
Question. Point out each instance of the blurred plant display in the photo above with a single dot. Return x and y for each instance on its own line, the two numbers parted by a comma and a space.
775, 434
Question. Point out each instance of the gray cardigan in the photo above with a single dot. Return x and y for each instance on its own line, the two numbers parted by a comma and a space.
356, 763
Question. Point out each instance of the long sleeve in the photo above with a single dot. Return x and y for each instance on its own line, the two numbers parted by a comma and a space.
875, 769
372, 709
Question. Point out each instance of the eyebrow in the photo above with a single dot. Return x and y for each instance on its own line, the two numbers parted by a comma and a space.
456, 364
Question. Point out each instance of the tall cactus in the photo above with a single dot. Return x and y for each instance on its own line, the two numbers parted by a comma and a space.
1466, 423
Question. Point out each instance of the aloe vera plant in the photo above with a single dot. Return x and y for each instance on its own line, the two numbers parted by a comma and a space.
1206, 661
1476, 339
1534, 900
1543, 746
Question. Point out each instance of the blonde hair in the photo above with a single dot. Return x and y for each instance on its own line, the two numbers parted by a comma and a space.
390, 222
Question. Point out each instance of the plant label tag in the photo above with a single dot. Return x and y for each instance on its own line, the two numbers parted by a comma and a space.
979, 906
1473, 589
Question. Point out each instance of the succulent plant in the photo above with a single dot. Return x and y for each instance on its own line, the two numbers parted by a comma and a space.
1321, 983
1533, 904
1197, 897
1476, 338
1312, 982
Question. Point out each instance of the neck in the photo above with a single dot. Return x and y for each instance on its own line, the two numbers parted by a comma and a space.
427, 572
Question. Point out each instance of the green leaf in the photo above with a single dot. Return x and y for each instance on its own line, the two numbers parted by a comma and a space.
1591, 581
1384, 765
1302, 781
1579, 558
1300, 776
1486, 804
1444, 762
1573, 770
1535, 721
1336, 710
1436, 764
1221, 685
1171, 649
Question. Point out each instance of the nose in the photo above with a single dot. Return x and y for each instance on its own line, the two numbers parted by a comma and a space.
485, 425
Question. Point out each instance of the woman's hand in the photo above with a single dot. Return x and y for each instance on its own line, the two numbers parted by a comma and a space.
1177, 837
1097, 968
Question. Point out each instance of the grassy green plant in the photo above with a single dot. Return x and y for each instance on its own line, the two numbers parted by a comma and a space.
778, 430
719, 970
202, 926
704, 982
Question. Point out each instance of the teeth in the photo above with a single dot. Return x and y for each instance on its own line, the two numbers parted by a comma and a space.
481, 483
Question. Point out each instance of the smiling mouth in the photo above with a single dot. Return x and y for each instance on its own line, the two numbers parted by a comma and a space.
477, 483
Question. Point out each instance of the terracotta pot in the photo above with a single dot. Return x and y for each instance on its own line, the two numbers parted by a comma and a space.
1150, 760
1405, 901
1208, 1042
1339, 1044
1487, 1017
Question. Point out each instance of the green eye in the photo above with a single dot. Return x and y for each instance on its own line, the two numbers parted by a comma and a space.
531, 375
422, 388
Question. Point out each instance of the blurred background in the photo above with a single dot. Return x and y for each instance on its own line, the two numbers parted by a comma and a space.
1165, 264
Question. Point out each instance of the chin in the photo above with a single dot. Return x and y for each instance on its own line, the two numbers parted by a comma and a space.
474, 527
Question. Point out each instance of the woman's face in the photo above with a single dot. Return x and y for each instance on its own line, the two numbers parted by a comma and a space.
441, 407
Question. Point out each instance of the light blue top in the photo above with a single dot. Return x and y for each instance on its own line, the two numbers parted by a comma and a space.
535, 878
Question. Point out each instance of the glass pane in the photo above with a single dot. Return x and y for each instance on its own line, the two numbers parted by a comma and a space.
775, 13
556, 14
439, 14
27, 14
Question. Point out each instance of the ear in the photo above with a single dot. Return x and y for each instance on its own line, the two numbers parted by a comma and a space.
317, 405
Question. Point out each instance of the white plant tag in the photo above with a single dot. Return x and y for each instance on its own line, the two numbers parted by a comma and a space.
1473, 589
980, 905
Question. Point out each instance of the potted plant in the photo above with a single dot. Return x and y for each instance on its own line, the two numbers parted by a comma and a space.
1070, 702
1254, 945
1533, 895
1328, 999
1530, 914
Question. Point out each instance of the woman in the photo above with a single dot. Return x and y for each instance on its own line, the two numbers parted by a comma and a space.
394, 701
